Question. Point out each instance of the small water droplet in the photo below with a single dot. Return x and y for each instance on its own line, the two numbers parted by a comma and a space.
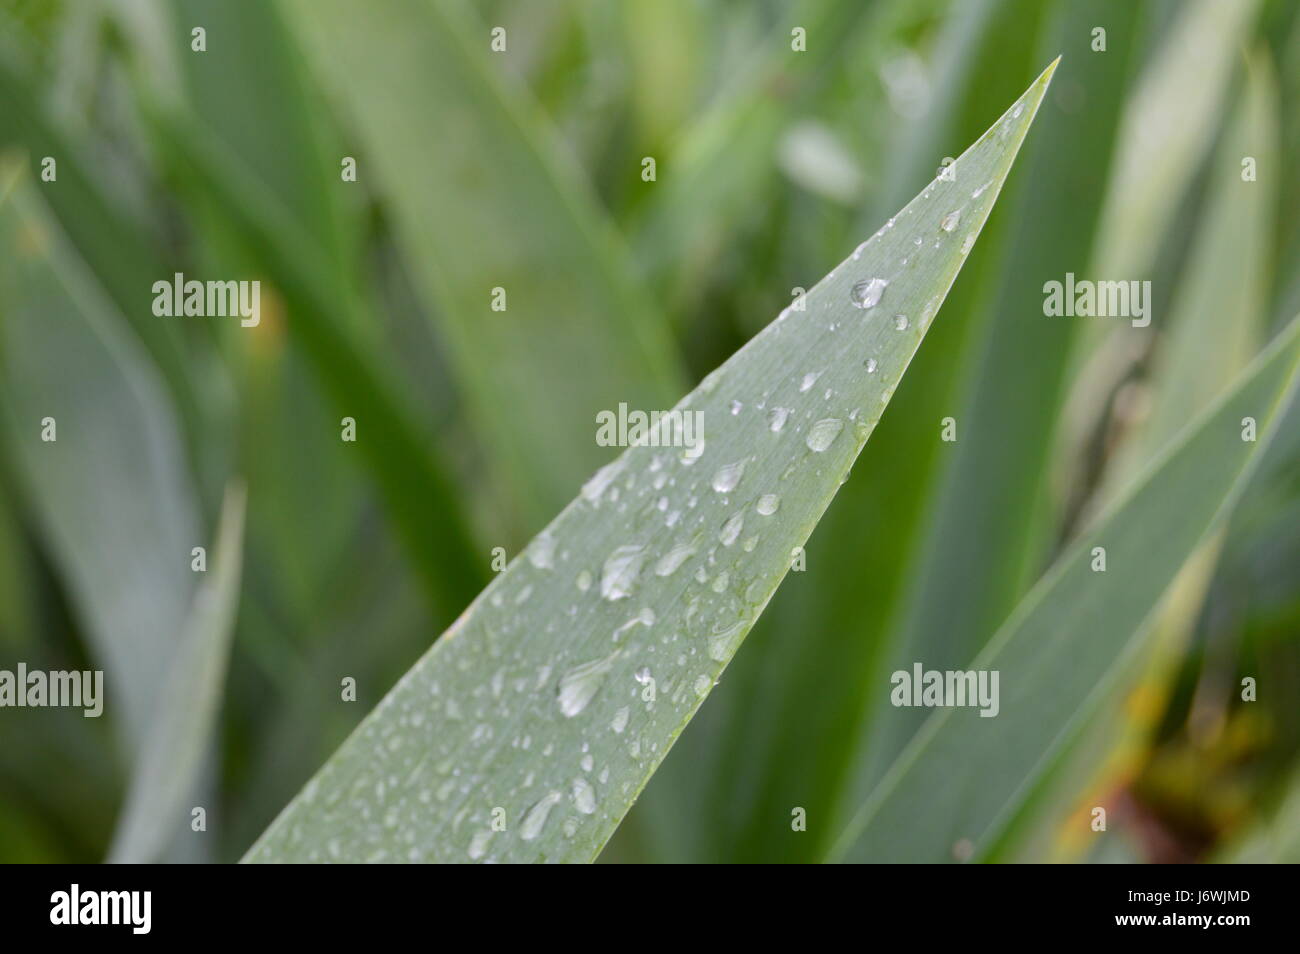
968, 243
584, 796
736, 407
949, 221
670, 562
619, 575
808, 381
731, 529
619, 722
478, 844
1015, 113
867, 293
871, 366
541, 553
722, 643
535, 820
580, 684
768, 504
822, 434
642, 675
584, 581
728, 476
900, 322
600, 481
702, 685
777, 417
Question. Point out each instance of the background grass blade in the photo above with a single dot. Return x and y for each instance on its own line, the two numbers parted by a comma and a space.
775, 728
970, 570
189, 704
1069, 639
430, 108
549, 704
65, 356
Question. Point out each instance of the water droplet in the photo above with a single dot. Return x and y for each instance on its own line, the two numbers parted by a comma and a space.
866, 294
767, 504
584, 796
646, 617
808, 381
736, 407
968, 243
580, 684
619, 722
541, 553
642, 675
950, 220
900, 322
728, 476
670, 562
871, 366
600, 481
777, 417
731, 529
619, 575
535, 820
723, 643
822, 434
720, 581
479, 843
1015, 113
702, 685
584, 581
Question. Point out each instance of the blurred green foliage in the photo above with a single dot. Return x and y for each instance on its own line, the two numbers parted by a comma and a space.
771, 165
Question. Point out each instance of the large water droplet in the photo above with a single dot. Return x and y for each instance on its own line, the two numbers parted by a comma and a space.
822, 434
867, 293
535, 820
950, 220
768, 504
619, 574
580, 684
728, 476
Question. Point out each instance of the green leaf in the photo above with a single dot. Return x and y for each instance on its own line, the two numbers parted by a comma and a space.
1066, 642
482, 198
64, 355
181, 729
529, 729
